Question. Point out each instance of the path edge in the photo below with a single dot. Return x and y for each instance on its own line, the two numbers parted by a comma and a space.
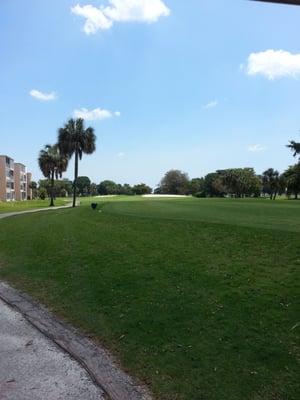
97, 361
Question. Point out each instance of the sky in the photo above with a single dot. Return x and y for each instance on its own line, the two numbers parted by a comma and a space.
195, 85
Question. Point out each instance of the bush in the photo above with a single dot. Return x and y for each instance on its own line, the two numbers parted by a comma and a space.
200, 194
42, 193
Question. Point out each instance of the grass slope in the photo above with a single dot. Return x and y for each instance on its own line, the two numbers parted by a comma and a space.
197, 310
15, 206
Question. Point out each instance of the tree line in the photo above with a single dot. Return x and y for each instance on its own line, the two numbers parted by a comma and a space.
233, 182
75, 139
84, 187
236, 182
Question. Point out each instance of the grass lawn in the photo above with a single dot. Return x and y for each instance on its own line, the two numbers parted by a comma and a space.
13, 206
199, 298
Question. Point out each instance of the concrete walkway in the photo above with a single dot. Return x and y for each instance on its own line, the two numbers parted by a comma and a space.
33, 368
34, 210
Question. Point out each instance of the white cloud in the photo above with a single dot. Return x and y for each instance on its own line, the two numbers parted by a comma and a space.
274, 64
101, 18
42, 96
121, 154
96, 114
95, 18
211, 104
255, 148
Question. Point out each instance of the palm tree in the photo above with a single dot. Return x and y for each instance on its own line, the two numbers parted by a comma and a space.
73, 138
271, 182
52, 163
295, 147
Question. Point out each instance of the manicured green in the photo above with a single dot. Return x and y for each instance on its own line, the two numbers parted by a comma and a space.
197, 297
13, 206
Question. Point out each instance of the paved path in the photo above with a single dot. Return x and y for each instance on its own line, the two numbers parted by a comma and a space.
33, 368
34, 210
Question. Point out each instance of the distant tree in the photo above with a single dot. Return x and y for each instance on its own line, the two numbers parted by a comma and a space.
218, 186
83, 185
125, 189
213, 185
175, 182
295, 147
271, 182
62, 188
52, 164
196, 185
46, 184
107, 187
42, 193
73, 138
33, 186
93, 189
282, 184
240, 182
141, 189
292, 176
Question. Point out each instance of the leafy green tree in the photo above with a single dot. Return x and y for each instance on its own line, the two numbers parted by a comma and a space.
83, 185
74, 139
213, 185
107, 187
52, 164
62, 188
125, 189
235, 182
93, 189
42, 193
196, 185
292, 176
240, 182
175, 182
141, 189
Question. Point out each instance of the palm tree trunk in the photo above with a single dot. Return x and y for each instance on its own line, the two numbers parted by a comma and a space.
75, 178
52, 189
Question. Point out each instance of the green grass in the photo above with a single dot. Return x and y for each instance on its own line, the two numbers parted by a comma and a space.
16, 206
198, 298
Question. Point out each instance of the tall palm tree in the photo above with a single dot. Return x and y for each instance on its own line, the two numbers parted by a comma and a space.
52, 163
295, 147
73, 138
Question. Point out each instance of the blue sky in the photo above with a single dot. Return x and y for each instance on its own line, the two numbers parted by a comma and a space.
196, 85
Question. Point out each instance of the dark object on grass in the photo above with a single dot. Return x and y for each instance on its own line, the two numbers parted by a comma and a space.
94, 206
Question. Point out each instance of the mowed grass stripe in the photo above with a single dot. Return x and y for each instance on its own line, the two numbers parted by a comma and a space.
196, 310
